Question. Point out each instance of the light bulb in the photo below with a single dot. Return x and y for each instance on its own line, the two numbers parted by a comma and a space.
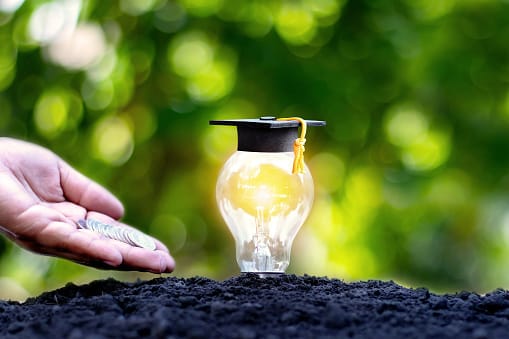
264, 205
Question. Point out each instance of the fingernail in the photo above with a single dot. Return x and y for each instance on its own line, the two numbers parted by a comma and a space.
170, 264
111, 263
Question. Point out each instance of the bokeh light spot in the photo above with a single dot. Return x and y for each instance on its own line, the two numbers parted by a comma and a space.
57, 110
190, 53
21, 32
122, 80
258, 21
213, 83
10, 6
142, 62
218, 142
103, 69
405, 125
427, 153
53, 21
112, 140
324, 7
202, 8
295, 24
99, 95
326, 11
7, 75
47, 21
81, 49
170, 18
136, 7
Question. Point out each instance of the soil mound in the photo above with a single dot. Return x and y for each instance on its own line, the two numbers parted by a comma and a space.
247, 306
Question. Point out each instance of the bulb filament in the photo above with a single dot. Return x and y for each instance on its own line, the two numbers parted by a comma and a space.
261, 255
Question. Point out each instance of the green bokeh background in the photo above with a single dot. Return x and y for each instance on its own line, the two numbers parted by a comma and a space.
411, 172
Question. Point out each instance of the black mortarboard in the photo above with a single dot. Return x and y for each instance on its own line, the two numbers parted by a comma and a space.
266, 134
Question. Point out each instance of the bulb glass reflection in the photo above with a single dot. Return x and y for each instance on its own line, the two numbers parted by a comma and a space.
264, 205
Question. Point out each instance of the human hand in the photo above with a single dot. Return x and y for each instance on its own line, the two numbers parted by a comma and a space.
41, 200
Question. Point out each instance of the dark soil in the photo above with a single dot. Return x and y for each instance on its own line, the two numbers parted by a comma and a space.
287, 306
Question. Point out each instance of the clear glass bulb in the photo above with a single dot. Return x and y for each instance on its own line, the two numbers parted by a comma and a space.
264, 205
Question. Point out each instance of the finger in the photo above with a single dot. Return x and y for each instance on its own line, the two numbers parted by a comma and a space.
62, 253
143, 259
87, 260
157, 261
68, 209
161, 246
67, 238
87, 193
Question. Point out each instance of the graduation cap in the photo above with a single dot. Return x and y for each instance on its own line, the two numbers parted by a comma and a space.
268, 134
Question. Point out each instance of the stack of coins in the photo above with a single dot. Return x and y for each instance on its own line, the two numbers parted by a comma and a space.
129, 236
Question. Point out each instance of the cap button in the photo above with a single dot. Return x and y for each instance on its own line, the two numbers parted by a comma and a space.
267, 118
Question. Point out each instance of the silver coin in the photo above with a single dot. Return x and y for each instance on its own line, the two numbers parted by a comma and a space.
108, 231
96, 225
82, 224
115, 234
122, 236
128, 236
141, 240
91, 224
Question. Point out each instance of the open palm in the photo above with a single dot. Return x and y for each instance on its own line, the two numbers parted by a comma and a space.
41, 200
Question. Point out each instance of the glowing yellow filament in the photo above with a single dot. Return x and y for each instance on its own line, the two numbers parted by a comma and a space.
265, 188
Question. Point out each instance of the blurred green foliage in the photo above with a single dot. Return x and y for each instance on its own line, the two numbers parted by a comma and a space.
411, 171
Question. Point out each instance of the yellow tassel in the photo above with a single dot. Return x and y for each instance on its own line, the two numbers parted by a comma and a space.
298, 146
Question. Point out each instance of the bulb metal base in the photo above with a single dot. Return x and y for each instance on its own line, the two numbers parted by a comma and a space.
265, 274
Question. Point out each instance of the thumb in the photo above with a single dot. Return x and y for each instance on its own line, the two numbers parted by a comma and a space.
82, 191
